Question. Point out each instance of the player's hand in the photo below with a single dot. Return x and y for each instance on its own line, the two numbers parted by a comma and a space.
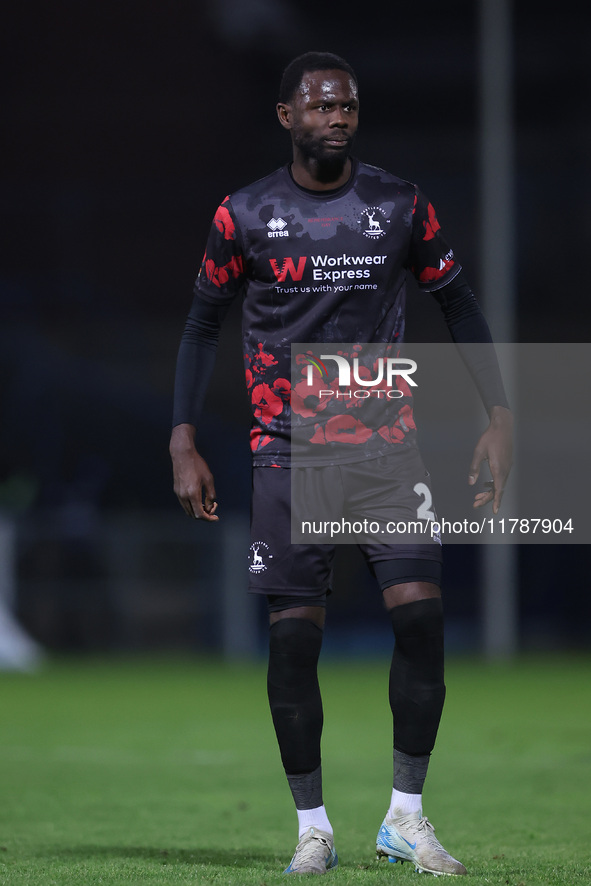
496, 447
193, 481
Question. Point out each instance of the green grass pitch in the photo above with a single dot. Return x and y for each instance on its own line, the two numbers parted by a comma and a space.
166, 772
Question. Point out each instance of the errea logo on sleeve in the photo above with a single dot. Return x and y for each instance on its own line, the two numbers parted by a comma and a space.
277, 228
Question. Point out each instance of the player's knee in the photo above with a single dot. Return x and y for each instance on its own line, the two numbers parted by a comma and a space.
419, 625
295, 637
419, 649
294, 648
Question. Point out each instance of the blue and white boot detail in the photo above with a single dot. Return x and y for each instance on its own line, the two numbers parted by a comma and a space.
412, 838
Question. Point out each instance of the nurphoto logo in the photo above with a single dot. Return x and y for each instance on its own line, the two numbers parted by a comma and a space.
387, 369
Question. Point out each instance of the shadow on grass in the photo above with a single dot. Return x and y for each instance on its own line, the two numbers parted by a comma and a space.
222, 858
235, 858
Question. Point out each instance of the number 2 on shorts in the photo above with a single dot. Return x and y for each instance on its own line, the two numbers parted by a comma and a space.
424, 511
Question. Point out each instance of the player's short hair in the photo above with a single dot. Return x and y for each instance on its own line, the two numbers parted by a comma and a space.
306, 63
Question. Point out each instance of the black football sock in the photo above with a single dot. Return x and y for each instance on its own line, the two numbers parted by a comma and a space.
417, 688
296, 705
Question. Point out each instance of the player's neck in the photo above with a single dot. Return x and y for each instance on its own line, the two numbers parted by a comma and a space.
315, 177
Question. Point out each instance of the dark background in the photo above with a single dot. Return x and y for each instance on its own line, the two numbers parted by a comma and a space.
125, 124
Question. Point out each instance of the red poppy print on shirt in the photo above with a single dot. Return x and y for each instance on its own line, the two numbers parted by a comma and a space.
223, 221
432, 225
220, 276
269, 397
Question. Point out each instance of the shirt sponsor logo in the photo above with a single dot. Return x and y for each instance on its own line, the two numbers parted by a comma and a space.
277, 228
334, 268
288, 267
373, 221
342, 267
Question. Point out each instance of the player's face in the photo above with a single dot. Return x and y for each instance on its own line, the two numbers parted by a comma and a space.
323, 116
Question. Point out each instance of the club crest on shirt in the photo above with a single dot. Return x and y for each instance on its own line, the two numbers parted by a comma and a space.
259, 552
373, 222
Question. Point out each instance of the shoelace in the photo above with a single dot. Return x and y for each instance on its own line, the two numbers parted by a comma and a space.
427, 829
424, 824
307, 848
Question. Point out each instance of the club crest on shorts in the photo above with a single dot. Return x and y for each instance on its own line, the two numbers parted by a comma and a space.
259, 555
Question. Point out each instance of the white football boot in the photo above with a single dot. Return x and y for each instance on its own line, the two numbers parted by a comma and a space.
314, 854
412, 838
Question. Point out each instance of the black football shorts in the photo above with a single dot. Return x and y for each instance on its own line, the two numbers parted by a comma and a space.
387, 493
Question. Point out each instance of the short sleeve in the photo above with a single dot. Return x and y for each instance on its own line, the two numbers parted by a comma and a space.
432, 261
221, 276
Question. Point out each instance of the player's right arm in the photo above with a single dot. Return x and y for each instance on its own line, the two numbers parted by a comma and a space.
193, 481
220, 279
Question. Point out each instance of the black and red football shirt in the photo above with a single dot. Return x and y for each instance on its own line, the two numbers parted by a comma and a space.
320, 266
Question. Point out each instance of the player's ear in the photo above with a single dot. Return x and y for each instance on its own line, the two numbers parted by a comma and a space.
284, 114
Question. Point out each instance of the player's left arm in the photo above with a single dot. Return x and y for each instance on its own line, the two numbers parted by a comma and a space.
496, 447
437, 271
468, 326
